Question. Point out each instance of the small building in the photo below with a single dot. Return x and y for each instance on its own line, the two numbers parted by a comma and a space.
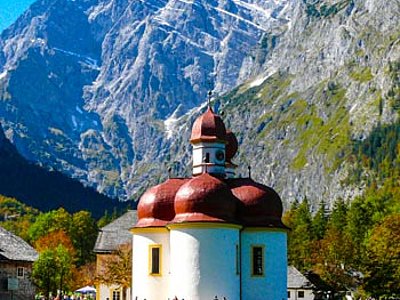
212, 235
308, 286
16, 259
111, 237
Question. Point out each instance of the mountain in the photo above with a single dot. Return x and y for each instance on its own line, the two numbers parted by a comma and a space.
91, 88
106, 91
46, 190
332, 79
323, 107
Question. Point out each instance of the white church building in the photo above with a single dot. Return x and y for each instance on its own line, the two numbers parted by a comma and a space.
210, 236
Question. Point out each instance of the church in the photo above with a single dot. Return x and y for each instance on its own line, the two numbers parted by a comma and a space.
213, 235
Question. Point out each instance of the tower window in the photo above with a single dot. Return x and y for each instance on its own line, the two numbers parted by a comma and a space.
300, 294
257, 261
155, 260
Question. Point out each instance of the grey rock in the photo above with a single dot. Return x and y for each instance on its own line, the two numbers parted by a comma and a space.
113, 102
86, 86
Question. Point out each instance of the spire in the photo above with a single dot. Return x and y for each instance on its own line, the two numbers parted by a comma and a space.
209, 98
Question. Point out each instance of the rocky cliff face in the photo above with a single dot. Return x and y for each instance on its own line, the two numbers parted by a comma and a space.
48, 189
91, 87
102, 89
333, 76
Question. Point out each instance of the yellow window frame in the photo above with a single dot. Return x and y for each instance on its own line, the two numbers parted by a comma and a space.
252, 260
151, 247
117, 290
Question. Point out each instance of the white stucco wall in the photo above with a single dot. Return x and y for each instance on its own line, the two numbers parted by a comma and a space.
203, 263
199, 151
144, 285
273, 285
104, 292
308, 294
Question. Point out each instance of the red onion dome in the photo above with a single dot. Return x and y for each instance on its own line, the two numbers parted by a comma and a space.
232, 145
205, 198
156, 206
209, 127
261, 205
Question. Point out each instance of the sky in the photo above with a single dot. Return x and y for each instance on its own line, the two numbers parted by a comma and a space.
10, 10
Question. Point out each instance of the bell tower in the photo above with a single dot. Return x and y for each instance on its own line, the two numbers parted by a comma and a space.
209, 139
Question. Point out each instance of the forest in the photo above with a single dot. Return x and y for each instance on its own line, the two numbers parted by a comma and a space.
64, 241
356, 244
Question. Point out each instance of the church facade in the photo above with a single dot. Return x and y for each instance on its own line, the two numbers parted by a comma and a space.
210, 236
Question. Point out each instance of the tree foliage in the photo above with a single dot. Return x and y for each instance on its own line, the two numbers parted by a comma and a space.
356, 245
116, 268
65, 242
16, 216
80, 228
53, 270
383, 253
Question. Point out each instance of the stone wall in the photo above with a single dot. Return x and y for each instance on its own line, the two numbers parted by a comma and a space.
26, 289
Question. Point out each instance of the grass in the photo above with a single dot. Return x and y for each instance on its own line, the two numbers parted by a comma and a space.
362, 75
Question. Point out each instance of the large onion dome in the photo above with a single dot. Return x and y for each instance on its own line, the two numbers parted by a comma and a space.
232, 145
261, 205
156, 206
209, 127
205, 198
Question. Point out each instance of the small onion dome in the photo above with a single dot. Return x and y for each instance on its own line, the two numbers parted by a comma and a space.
205, 198
232, 145
261, 205
209, 127
156, 206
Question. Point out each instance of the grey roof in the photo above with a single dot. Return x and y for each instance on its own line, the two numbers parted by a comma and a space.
116, 233
308, 280
296, 280
12, 247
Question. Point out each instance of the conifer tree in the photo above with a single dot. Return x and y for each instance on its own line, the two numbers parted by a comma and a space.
320, 222
300, 236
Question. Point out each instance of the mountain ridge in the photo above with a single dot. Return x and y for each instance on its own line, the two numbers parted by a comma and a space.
315, 78
45, 190
113, 72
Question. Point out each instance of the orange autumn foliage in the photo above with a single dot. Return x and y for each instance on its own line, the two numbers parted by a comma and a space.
53, 239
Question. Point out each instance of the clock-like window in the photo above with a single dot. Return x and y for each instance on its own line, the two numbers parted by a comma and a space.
220, 156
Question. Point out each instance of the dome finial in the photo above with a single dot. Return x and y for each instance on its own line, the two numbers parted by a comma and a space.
249, 168
209, 98
169, 171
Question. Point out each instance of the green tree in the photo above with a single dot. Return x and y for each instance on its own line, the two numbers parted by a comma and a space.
17, 217
300, 239
383, 251
83, 232
359, 220
52, 271
320, 222
45, 223
338, 215
332, 255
